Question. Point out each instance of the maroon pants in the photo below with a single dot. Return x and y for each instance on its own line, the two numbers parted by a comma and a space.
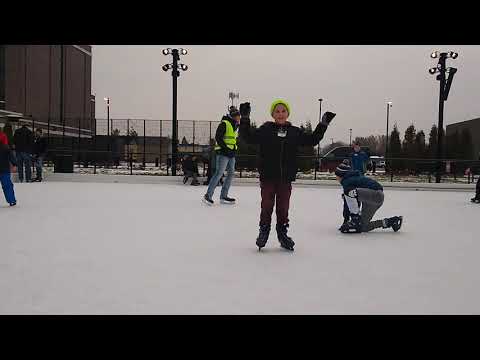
280, 191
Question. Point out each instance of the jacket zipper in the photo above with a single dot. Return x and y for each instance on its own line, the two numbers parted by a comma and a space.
281, 160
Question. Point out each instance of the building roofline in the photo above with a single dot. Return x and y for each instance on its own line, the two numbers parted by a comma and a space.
463, 122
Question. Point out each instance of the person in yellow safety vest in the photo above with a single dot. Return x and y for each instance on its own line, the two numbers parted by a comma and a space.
225, 148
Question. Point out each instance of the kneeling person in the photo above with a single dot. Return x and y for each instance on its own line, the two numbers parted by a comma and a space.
362, 198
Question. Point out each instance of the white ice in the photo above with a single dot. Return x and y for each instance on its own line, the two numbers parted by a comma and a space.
92, 248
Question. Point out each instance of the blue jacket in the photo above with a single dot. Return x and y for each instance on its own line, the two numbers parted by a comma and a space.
358, 160
355, 180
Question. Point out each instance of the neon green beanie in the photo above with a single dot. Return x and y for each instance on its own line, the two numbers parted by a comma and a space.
277, 102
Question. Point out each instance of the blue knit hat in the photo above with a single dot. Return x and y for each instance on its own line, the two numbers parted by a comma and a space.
343, 168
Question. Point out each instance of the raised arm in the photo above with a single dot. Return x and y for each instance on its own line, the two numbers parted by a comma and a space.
248, 134
319, 132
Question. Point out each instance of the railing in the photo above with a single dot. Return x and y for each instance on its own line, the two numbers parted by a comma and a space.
132, 162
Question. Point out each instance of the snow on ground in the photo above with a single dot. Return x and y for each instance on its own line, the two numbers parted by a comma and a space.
90, 248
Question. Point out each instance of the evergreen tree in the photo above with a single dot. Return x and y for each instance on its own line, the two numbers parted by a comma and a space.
408, 146
432, 141
420, 147
395, 149
305, 163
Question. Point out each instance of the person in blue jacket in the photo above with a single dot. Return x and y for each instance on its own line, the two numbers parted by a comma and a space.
362, 198
7, 158
359, 158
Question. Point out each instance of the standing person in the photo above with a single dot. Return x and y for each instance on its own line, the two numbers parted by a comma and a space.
225, 148
361, 192
39, 153
358, 158
7, 159
23, 140
279, 141
3, 138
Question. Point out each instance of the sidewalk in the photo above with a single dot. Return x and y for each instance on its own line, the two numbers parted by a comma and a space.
142, 179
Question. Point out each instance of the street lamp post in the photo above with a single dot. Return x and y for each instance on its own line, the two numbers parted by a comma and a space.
445, 84
232, 95
389, 105
350, 137
175, 67
107, 100
319, 120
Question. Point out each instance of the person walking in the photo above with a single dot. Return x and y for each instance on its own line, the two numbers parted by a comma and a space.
39, 153
225, 149
6, 159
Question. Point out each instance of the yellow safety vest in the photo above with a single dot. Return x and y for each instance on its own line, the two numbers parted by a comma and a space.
230, 137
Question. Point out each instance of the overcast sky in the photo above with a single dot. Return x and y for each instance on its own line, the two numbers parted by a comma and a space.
354, 81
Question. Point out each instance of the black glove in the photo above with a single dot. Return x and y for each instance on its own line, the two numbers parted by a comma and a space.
328, 117
245, 110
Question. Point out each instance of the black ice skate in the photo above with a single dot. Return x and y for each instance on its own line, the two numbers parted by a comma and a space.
286, 242
207, 200
476, 199
227, 200
394, 222
354, 225
13, 204
263, 236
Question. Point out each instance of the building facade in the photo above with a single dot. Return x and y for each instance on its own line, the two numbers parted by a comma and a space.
473, 126
48, 86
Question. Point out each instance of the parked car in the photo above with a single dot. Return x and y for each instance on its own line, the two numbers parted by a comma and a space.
334, 157
379, 161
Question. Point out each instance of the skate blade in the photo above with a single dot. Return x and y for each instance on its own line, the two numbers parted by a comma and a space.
206, 202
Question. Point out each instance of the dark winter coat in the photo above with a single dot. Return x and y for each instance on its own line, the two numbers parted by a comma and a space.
23, 140
358, 160
40, 146
190, 165
278, 154
6, 158
221, 129
354, 180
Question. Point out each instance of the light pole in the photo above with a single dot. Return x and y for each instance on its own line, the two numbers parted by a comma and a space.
107, 100
175, 66
445, 84
350, 137
232, 95
389, 105
319, 120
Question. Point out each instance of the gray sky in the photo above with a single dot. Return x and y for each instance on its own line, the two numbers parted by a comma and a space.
354, 81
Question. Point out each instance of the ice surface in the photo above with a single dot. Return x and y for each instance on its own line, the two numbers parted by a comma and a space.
90, 248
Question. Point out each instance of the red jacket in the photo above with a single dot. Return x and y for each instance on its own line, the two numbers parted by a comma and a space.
3, 138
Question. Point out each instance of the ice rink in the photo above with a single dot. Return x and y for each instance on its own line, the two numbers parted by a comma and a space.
98, 248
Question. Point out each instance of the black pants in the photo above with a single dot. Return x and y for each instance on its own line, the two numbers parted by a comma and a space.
478, 187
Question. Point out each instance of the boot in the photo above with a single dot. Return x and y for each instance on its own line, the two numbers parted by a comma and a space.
394, 222
286, 242
263, 236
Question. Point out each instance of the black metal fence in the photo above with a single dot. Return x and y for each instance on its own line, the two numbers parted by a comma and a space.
133, 146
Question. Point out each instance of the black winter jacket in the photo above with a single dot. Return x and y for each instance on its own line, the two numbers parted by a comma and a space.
224, 150
23, 140
277, 153
40, 146
6, 158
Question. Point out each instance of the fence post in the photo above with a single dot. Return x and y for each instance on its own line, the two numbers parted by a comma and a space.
144, 142
193, 137
160, 141
95, 148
